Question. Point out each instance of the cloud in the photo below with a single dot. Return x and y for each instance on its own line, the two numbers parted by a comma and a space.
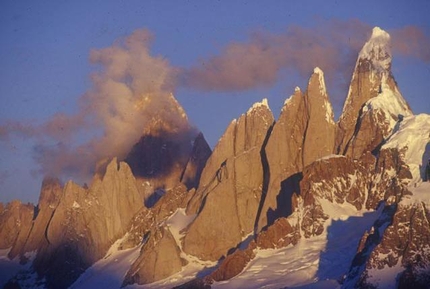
332, 45
18, 128
411, 41
131, 91
257, 62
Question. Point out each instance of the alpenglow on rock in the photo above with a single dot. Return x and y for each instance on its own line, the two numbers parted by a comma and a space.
374, 104
231, 186
297, 201
304, 132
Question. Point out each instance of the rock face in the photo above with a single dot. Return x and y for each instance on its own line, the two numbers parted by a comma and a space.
73, 227
374, 103
159, 258
304, 132
399, 239
283, 153
160, 255
196, 162
320, 129
399, 242
85, 223
406, 242
36, 238
170, 151
15, 221
339, 179
231, 186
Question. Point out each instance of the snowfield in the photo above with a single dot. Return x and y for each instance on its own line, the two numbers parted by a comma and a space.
317, 262
413, 135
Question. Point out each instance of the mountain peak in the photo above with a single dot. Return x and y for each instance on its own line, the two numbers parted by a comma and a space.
262, 103
378, 32
377, 50
321, 83
318, 70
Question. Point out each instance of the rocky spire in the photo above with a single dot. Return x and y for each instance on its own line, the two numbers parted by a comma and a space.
377, 50
374, 103
231, 186
161, 157
320, 130
304, 132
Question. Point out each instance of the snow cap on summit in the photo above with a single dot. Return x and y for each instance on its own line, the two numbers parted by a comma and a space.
262, 103
378, 32
377, 49
321, 81
318, 70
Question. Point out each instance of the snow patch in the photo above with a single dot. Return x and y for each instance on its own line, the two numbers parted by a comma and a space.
317, 262
287, 102
413, 135
331, 156
177, 222
377, 32
390, 101
329, 115
321, 81
420, 195
109, 272
76, 205
263, 103
377, 50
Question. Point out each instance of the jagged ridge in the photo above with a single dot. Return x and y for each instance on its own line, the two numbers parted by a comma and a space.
283, 186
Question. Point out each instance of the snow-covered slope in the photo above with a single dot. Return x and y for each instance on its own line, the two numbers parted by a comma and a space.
109, 272
413, 137
318, 262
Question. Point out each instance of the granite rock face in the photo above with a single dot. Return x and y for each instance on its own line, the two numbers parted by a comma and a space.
374, 104
36, 238
159, 258
231, 186
196, 162
15, 223
85, 223
304, 132
320, 131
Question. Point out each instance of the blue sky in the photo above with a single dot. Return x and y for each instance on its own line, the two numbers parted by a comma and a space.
45, 67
